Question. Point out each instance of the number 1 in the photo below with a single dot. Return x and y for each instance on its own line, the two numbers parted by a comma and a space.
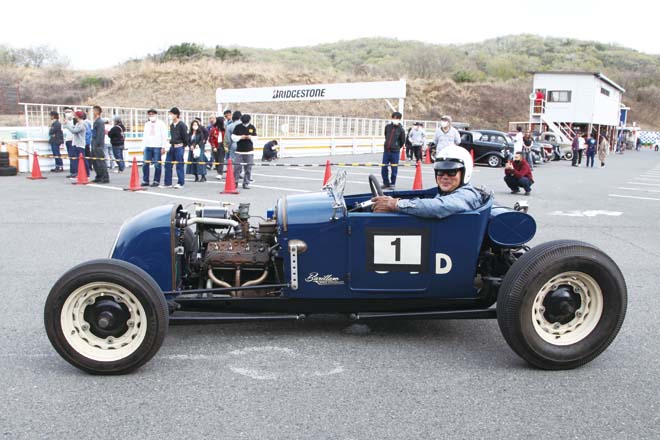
397, 252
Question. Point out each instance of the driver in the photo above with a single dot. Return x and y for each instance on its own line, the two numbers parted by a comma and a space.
453, 170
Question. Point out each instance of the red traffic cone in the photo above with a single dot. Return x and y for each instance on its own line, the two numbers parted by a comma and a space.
230, 183
427, 157
82, 172
472, 154
417, 183
403, 154
134, 184
328, 173
36, 170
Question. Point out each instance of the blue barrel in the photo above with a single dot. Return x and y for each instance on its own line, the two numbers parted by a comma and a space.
509, 228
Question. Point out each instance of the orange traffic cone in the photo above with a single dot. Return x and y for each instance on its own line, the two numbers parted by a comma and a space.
82, 172
328, 173
472, 154
417, 183
230, 183
403, 154
427, 157
134, 184
36, 170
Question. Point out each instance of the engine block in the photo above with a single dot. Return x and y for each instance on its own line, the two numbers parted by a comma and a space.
237, 252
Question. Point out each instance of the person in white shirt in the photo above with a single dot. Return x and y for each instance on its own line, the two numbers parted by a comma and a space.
446, 135
154, 140
417, 137
518, 140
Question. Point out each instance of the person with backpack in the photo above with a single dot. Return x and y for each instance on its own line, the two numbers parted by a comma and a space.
117, 139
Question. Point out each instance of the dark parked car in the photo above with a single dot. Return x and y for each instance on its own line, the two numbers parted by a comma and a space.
492, 148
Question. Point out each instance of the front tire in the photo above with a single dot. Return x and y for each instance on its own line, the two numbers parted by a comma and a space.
106, 317
561, 304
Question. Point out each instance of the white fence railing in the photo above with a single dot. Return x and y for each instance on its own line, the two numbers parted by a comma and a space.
37, 120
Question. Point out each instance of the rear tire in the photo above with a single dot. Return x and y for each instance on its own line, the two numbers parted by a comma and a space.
592, 316
494, 161
106, 317
568, 155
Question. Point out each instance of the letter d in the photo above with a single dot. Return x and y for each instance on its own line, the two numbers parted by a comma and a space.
439, 259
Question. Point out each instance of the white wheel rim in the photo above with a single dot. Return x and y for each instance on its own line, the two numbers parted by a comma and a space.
493, 161
586, 317
77, 331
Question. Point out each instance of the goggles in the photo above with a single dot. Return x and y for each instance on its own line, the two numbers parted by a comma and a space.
450, 173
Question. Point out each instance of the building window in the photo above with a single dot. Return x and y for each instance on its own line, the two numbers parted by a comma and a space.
559, 96
604, 91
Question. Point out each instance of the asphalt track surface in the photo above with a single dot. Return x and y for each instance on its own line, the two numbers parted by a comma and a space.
324, 378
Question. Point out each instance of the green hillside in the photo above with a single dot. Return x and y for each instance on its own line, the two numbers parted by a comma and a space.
484, 83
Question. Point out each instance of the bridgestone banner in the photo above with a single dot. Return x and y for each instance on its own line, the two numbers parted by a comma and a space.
314, 92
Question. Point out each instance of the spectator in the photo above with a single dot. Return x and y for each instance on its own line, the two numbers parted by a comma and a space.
638, 144
408, 144
154, 140
416, 138
518, 140
117, 139
591, 151
97, 147
244, 134
178, 141
76, 126
227, 115
603, 148
575, 148
107, 146
527, 142
89, 131
196, 153
216, 139
68, 142
539, 97
621, 142
518, 174
446, 135
582, 146
270, 151
395, 139
229, 130
204, 131
56, 139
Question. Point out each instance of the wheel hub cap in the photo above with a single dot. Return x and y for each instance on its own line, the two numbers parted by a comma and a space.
561, 304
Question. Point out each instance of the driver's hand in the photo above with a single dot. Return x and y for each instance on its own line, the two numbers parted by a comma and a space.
384, 204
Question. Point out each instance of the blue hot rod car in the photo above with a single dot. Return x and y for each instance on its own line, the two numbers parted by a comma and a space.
558, 305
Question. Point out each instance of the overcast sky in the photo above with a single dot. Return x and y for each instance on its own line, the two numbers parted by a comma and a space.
95, 34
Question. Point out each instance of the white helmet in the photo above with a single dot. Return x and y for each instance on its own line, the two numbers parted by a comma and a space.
454, 157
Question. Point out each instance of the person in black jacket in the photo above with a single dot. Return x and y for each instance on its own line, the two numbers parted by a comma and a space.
98, 140
116, 135
178, 141
395, 138
56, 139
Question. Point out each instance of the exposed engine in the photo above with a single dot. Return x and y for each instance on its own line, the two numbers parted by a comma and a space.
219, 248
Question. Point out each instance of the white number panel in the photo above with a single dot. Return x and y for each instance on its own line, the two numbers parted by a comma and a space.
398, 249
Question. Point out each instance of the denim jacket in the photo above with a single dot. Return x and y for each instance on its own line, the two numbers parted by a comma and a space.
463, 199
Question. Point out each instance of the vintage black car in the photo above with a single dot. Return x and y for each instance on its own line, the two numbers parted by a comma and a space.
490, 147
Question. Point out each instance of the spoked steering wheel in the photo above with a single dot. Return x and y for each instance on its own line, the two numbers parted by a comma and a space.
376, 190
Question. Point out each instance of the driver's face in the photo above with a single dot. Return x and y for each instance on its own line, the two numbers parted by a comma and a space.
447, 183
